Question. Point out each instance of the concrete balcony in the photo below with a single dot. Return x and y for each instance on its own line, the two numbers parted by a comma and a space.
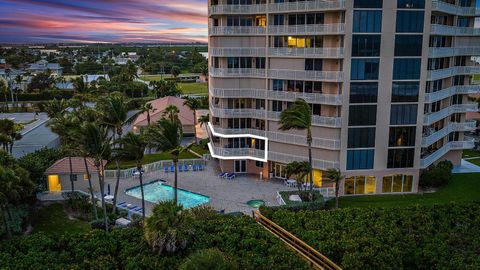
237, 153
335, 122
307, 52
468, 143
238, 113
286, 74
317, 163
452, 71
307, 29
454, 90
431, 118
317, 98
449, 52
236, 30
447, 30
229, 52
306, 6
434, 136
441, 6
238, 72
236, 9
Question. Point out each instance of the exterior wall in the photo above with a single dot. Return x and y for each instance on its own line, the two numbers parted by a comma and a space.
80, 184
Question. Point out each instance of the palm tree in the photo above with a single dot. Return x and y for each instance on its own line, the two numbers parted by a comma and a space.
55, 107
18, 80
4, 91
96, 143
335, 175
133, 145
204, 119
300, 169
147, 108
114, 114
171, 113
79, 85
193, 104
299, 117
175, 72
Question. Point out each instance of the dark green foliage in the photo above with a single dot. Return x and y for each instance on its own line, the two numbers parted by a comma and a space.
89, 67
317, 204
417, 237
43, 95
211, 259
41, 82
437, 175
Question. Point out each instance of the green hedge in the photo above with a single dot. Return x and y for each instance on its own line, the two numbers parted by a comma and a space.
317, 204
420, 237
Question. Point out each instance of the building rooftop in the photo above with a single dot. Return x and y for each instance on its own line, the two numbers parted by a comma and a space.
62, 166
185, 115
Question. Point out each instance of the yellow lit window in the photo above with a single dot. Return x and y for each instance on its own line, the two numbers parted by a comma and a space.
296, 42
261, 21
370, 185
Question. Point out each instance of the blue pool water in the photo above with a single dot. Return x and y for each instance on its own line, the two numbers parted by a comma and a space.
158, 191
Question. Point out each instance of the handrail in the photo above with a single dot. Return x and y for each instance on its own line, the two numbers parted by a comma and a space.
315, 258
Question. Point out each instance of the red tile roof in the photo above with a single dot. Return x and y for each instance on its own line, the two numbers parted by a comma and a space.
62, 166
185, 115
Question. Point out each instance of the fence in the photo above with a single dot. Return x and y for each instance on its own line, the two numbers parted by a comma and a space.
154, 167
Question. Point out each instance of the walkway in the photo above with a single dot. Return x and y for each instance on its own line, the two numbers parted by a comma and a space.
466, 167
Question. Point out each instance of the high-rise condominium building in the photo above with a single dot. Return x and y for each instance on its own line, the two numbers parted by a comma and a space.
387, 81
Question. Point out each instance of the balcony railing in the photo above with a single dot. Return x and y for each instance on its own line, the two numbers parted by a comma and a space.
228, 52
452, 71
448, 52
317, 163
307, 52
237, 72
447, 30
330, 76
444, 7
237, 9
315, 5
434, 136
236, 30
454, 90
455, 145
277, 95
313, 29
237, 153
316, 120
431, 118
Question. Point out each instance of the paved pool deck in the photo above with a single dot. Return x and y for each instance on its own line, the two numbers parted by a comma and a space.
466, 167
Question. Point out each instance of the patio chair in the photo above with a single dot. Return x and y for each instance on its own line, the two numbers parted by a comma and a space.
185, 168
172, 168
122, 205
201, 167
230, 176
222, 175
180, 169
166, 169
194, 167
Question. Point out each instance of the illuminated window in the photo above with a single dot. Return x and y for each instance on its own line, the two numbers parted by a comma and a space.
397, 183
296, 42
360, 185
261, 21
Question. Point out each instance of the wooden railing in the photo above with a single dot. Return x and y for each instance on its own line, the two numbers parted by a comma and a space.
312, 256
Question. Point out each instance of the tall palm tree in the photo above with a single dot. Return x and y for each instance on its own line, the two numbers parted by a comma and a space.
55, 107
133, 145
171, 113
335, 175
204, 119
300, 169
193, 104
299, 117
4, 91
96, 143
147, 108
18, 80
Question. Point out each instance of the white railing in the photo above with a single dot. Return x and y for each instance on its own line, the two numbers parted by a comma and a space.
452, 71
450, 91
451, 127
237, 113
454, 9
307, 52
236, 30
439, 29
152, 167
436, 52
236, 9
431, 118
317, 163
455, 145
316, 120
314, 29
331, 76
315, 5
237, 72
238, 153
238, 93
232, 51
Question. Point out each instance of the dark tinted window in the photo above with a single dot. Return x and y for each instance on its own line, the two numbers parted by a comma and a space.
406, 69
403, 114
367, 21
360, 159
364, 69
408, 45
362, 115
363, 92
313, 64
401, 136
410, 21
366, 45
405, 91
361, 137
367, 4
418, 4
400, 158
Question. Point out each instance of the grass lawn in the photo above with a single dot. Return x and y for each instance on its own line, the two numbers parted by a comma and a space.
194, 88
470, 153
52, 219
199, 150
462, 187
154, 77
475, 161
149, 158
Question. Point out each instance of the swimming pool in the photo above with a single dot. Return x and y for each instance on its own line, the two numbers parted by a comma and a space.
158, 191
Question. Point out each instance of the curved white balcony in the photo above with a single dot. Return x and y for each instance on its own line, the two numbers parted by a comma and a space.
454, 90
304, 6
452, 71
286, 74
277, 95
237, 72
237, 153
448, 52
229, 52
316, 163
236, 9
236, 30
431, 118
447, 30
444, 7
455, 145
307, 29
307, 52
451, 127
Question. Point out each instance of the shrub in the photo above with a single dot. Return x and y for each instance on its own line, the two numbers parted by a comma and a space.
211, 259
437, 175
317, 204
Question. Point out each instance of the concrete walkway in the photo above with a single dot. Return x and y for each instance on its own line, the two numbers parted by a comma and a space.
466, 167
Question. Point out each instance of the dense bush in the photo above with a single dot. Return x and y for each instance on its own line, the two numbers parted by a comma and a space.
419, 237
210, 259
437, 175
317, 204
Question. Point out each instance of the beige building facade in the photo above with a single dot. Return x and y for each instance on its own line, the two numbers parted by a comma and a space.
387, 82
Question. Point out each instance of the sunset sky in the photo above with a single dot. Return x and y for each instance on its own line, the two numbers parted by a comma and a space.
43, 21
